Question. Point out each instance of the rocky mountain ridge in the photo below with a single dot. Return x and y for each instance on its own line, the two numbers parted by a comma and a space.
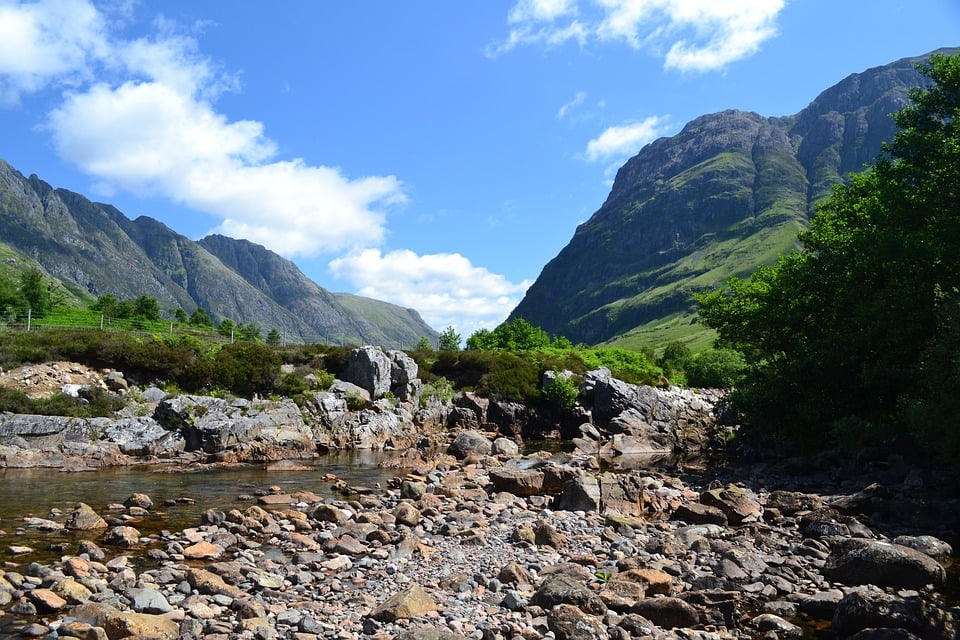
725, 195
94, 249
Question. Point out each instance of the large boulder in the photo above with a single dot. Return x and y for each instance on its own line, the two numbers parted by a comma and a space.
404, 383
369, 368
859, 561
469, 443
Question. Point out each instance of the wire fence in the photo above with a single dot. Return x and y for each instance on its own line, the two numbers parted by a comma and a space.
27, 320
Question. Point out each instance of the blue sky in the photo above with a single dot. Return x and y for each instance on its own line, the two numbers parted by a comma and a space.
432, 153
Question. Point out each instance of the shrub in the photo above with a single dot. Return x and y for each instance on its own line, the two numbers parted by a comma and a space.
716, 368
561, 392
440, 388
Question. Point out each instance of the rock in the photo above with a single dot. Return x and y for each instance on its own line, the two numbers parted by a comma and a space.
203, 550
519, 482
404, 383
738, 504
469, 443
562, 589
667, 612
410, 603
505, 446
767, 622
866, 609
581, 494
427, 633
122, 624
698, 513
412, 490
147, 601
406, 514
84, 518
369, 368
857, 561
72, 591
884, 634
46, 600
567, 622
122, 536
930, 545
210, 583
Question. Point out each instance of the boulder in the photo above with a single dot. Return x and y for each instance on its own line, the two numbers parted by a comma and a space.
667, 612
371, 369
469, 443
404, 383
84, 518
562, 589
568, 622
410, 603
857, 561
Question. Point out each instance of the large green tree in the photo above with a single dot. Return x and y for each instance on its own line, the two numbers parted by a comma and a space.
836, 334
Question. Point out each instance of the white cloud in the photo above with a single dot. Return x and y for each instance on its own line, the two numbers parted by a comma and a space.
624, 140
573, 104
697, 35
445, 288
47, 41
149, 124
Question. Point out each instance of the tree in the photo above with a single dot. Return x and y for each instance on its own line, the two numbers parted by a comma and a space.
423, 345
835, 334
449, 340
180, 315
227, 327
38, 294
146, 308
200, 318
274, 337
250, 331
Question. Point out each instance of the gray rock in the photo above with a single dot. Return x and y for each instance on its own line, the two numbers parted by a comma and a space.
147, 601
767, 622
867, 609
857, 561
469, 442
505, 446
570, 623
371, 369
667, 612
562, 589
930, 545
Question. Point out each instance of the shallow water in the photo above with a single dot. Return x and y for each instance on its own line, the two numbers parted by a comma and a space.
37, 492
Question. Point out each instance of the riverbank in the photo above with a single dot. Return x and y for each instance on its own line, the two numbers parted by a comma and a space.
507, 547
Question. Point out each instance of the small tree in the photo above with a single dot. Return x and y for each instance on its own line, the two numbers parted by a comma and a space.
423, 345
274, 337
449, 340
200, 318
38, 294
227, 327
250, 331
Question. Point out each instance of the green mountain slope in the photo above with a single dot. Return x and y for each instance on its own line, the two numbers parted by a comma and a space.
725, 195
94, 249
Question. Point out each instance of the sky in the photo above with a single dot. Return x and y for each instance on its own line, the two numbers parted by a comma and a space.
435, 154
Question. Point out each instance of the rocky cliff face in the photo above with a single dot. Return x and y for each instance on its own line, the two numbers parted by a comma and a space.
94, 248
725, 195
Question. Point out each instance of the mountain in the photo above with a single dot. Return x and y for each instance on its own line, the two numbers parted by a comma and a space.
94, 249
722, 197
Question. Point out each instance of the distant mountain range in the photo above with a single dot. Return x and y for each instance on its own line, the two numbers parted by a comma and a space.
725, 195
94, 249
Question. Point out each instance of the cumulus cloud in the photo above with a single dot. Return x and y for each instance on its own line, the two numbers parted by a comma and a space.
47, 41
445, 288
624, 140
141, 115
691, 35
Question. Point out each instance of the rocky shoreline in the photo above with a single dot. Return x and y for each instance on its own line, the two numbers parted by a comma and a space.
473, 539
479, 543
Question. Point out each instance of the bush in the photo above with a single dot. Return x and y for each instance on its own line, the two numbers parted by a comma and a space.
716, 368
440, 388
561, 392
97, 403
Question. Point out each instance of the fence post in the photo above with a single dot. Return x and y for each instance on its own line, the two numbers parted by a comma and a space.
101, 322
171, 328
29, 318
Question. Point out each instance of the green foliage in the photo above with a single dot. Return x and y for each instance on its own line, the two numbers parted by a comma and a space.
356, 402
274, 337
39, 294
250, 332
96, 403
449, 340
840, 336
439, 388
200, 318
227, 327
674, 359
716, 368
515, 335
629, 366
561, 392
424, 344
